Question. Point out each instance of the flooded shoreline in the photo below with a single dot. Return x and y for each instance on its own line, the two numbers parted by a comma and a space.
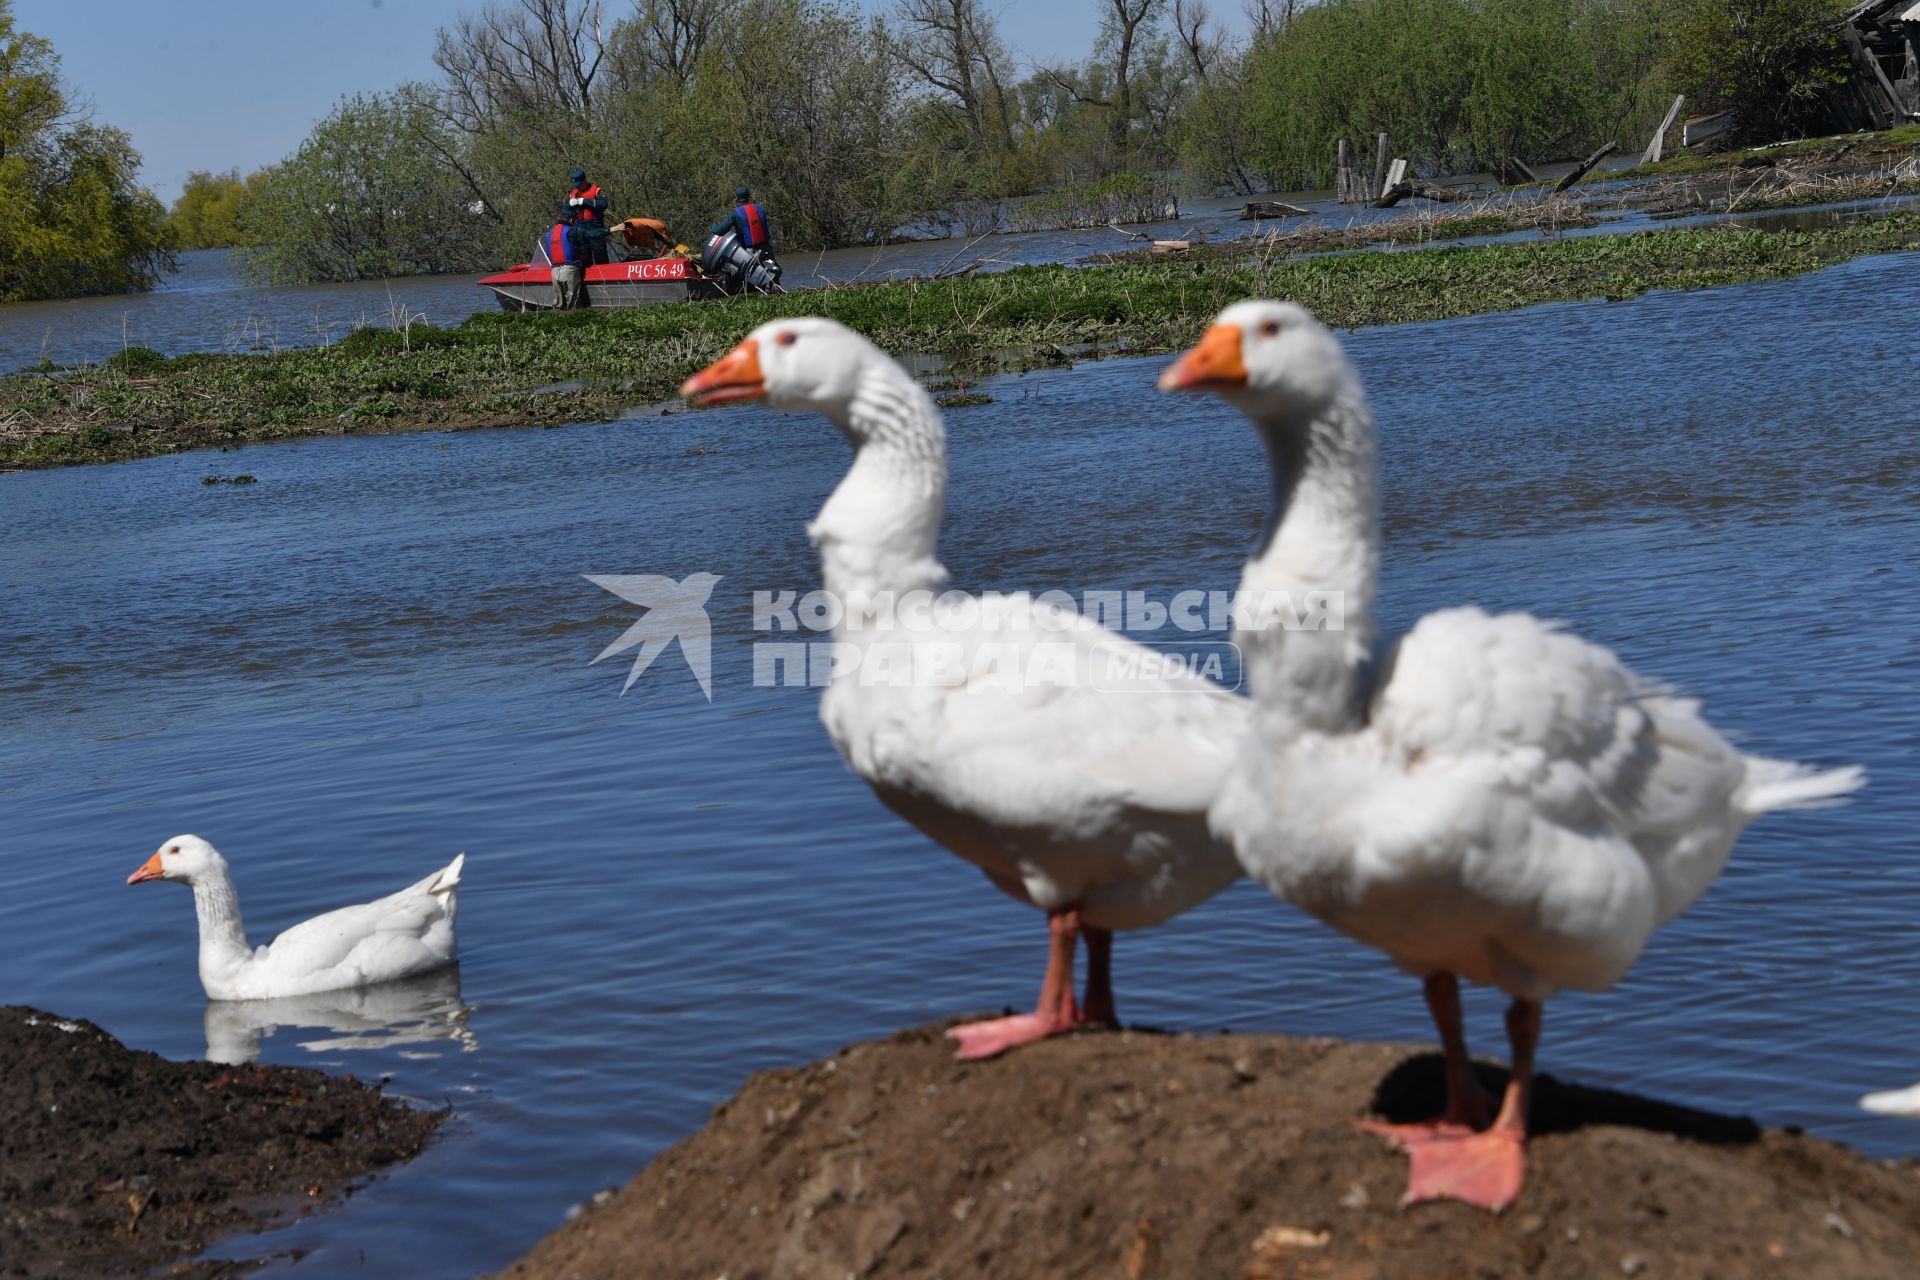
206, 307
552, 369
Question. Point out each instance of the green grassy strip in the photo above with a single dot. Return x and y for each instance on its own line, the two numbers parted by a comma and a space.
1684, 162
496, 369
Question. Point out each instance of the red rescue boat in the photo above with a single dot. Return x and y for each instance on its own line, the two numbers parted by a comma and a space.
612, 286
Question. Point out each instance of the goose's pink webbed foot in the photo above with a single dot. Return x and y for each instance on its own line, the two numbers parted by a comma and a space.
1056, 1011
997, 1035
1484, 1169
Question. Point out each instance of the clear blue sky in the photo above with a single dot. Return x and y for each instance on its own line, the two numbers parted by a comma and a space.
215, 84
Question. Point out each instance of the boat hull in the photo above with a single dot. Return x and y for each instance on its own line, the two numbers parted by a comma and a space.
613, 286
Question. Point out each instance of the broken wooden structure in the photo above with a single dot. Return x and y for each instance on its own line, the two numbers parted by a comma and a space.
1695, 130
1581, 170
1414, 188
1880, 37
1262, 209
1657, 146
1352, 184
1511, 171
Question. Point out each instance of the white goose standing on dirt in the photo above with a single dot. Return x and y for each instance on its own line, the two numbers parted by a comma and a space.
1491, 798
1090, 805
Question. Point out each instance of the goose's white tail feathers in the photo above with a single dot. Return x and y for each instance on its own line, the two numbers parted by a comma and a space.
1781, 784
449, 877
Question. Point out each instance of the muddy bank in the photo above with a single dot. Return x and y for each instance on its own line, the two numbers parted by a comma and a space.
1156, 1157
113, 1160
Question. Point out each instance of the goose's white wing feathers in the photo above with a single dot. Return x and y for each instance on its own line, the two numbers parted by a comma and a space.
1059, 757
1558, 806
402, 934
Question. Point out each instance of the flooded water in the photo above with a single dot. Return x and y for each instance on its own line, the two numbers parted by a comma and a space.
205, 306
377, 656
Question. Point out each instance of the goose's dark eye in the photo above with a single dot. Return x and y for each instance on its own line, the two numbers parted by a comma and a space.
1271, 328
788, 338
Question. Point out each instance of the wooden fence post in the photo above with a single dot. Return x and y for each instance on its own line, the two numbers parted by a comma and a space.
1658, 145
1580, 171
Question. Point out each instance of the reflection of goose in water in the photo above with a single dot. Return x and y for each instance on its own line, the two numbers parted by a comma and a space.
410, 1011
1896, 1102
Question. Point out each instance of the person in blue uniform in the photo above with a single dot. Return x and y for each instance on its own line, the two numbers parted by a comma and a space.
747, 218
585, 210
560, 249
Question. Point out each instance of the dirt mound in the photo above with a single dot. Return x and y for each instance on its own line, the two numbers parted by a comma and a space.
1156, 1157
113, 1160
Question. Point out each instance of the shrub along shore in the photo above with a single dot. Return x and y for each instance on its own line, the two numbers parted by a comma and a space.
498, 370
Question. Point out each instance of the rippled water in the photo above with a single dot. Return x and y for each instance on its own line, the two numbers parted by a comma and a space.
378, 655
206, 307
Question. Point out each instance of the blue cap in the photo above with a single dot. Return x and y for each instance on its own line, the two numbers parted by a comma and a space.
578, 175
741, 193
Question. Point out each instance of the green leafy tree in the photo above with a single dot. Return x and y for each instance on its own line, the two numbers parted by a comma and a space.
366, 196
1456, 84
1770, 61
73, 216
210, 208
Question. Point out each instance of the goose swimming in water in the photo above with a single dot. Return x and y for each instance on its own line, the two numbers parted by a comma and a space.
1490, 798
396, 936
1088, 804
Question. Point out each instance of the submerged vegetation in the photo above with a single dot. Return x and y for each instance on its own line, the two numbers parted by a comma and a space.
500, 370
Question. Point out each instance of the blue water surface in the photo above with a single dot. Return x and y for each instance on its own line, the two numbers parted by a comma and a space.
378, 655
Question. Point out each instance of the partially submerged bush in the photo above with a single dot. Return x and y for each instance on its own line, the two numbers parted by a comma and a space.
1771, 62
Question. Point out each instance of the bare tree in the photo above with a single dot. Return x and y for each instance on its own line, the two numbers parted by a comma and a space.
1202, 47
1270, 17
528, 55
954, 48
1122, 27
665, 37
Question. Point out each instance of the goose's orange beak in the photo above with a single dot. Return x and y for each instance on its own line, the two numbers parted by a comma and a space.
1216, 363
734, 376
149, 870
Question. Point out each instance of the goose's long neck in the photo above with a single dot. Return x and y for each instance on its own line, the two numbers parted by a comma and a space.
223, 942
1315, 574
878, 532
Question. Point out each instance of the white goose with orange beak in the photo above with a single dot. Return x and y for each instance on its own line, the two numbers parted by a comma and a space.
1489, 798
400, 935
985, 720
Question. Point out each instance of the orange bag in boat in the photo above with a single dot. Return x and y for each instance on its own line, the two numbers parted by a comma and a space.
649, 235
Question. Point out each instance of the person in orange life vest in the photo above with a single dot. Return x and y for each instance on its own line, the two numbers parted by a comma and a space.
561, 250
586, 212
747, 218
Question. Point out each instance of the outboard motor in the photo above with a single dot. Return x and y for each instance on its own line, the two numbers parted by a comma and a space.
738, 268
